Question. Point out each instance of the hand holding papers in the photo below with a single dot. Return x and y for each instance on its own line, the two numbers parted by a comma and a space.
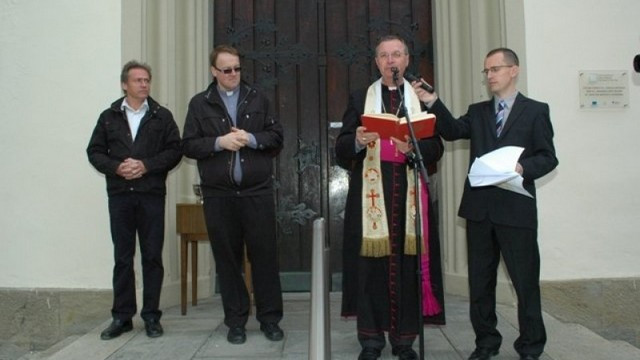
498, 168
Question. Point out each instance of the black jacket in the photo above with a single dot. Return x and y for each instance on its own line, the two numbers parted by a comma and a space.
528, 126
157, 145
207, 119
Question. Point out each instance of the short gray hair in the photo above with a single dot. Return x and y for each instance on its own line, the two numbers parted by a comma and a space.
133, 64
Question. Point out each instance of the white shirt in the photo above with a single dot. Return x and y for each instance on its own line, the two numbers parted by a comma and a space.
134, 116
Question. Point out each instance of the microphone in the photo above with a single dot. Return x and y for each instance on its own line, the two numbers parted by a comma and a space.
395, 74
423, 84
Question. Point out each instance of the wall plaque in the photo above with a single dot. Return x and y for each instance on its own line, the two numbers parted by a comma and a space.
605, 89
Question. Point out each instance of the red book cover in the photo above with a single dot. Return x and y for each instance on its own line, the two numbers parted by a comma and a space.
388, 125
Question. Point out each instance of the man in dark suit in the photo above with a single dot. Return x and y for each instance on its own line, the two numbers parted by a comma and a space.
501, 221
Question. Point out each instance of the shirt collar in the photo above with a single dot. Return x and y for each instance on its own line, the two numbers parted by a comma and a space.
509, 100
125, 106
228, 93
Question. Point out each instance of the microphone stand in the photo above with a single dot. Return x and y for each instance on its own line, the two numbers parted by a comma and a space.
418, 169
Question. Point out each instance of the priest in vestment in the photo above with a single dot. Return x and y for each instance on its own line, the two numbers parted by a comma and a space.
380, 260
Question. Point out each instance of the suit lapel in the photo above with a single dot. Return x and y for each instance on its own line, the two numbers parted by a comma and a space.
490, 117
518, 108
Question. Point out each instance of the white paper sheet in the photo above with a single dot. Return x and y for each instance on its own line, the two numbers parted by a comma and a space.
498, 168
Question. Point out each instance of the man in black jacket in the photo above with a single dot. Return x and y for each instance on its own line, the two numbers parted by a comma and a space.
135, 144
232, 133
500, 221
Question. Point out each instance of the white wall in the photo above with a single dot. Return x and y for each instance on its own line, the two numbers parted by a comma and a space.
59, 67
590, 206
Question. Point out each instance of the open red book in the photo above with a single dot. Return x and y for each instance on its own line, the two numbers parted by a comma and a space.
389, 125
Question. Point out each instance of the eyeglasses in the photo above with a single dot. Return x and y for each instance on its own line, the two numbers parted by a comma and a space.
394, 55
495, 69
229, 70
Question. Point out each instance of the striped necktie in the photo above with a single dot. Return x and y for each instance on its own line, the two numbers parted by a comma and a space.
500, 117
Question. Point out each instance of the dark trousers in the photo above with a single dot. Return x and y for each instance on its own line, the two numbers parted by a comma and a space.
132, 213
233, 222
519, 249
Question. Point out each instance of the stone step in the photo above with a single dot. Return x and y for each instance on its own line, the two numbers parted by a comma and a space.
201, 335
567, 341
45, 354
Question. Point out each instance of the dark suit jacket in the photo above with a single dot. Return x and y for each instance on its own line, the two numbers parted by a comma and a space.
528, 126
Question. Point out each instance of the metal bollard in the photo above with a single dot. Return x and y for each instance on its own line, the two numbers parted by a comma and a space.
320, 324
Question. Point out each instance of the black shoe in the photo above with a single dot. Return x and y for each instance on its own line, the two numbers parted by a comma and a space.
483, 354
369, 353
404, 352
272, 331
116, 329
237, 335
154, 329
529, 357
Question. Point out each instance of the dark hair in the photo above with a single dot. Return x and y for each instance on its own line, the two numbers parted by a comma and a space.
510, 56
390, 38
133, 64
213, 57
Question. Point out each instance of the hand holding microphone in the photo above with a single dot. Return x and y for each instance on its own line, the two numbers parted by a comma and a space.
424, 97
423, 84
425, 92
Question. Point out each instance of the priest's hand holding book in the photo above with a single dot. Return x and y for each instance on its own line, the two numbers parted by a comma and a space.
403, 146
363, 138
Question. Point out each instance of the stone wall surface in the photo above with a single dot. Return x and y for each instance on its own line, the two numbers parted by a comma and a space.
38, 318
609, 307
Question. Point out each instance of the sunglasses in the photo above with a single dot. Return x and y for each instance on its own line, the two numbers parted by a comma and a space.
229, 70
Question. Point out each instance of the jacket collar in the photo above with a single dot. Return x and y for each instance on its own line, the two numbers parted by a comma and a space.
153, 105
211, 94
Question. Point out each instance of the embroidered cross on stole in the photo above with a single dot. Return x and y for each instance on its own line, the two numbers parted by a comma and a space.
375, 229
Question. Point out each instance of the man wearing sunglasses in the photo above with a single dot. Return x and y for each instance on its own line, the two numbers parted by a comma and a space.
500, 221
231, 131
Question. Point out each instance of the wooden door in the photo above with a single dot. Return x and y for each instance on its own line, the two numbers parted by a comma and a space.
308, 56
